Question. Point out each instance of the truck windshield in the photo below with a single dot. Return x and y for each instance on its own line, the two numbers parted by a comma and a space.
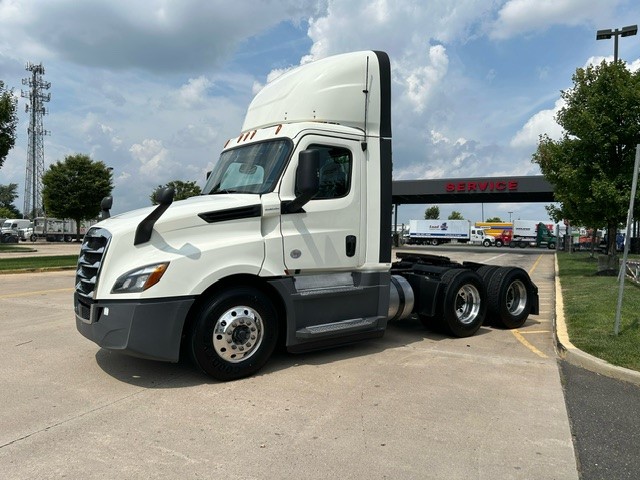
249, 169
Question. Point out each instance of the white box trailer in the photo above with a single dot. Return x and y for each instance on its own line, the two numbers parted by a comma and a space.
58, 230
435, 232
290, 241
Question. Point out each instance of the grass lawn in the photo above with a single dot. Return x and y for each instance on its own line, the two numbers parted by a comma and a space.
14, 247
36, 263
590, 304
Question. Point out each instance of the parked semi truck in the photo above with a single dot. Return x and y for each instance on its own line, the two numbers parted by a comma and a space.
289, 241
12, 229
532, 233
502, 232
435, 232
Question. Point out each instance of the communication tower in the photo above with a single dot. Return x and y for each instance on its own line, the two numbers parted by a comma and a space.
35, 155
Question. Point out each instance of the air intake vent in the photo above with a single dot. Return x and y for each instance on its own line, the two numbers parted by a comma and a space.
94, 246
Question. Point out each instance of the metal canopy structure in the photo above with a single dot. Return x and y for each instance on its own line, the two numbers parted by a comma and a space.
473, 190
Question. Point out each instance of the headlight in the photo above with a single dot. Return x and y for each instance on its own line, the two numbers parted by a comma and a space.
140, 279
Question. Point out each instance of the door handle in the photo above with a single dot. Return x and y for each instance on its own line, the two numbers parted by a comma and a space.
350, 245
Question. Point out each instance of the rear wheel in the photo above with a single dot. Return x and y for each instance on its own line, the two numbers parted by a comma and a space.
463, 307
234, 334
510, 293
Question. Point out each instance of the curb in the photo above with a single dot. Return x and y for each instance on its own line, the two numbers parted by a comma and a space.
572, 354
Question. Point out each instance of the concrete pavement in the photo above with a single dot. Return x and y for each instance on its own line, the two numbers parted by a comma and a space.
414, 404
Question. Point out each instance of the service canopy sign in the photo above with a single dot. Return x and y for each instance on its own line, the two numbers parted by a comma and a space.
482, 186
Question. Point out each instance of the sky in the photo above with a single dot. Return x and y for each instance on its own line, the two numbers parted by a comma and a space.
154, 88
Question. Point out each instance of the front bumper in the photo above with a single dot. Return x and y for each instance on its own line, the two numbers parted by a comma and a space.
148, 329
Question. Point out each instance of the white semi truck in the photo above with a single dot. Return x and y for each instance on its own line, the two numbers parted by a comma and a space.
289, 241
435, 232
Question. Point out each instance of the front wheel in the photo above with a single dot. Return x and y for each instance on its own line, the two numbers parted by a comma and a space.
235, 333
486, 243
498, 243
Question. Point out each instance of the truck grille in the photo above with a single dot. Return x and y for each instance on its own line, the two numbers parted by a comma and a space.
92, 251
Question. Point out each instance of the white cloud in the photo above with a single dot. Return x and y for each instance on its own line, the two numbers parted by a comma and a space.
154, 35
194, 93
153, 157
523, 16
420, 81
542, 122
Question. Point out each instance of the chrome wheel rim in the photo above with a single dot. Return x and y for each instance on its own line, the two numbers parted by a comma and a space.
516, 298
467, 304
238, 334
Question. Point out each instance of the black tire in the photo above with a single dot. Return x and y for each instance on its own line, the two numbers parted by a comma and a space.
510, 294
33, 237
486, 243
486, 272
234, 334
552, 246
435, 242
522, 244
463, 304
498, 243
512, 244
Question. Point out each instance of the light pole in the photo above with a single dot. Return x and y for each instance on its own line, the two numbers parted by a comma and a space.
509, 216
623, 32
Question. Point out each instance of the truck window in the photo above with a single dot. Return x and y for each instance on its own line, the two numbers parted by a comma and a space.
253, 168
335, 171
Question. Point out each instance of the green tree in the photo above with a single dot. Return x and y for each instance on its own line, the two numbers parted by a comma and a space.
493, 220
432, 213
8, 121
8, 194
75, 187
182, 190
591, 166
455, 215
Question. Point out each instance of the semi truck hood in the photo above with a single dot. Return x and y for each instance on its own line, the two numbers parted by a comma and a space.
195, 234
192, 212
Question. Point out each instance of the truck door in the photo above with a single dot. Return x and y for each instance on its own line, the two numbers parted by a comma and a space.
327, 236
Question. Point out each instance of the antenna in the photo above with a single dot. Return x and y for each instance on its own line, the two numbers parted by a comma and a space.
363, 144
36, 97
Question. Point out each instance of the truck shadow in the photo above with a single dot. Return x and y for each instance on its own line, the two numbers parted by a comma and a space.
154, 374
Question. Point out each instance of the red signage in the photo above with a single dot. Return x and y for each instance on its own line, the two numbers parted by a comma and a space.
488, 186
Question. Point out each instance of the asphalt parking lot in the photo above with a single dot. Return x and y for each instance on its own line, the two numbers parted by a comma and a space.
414, 404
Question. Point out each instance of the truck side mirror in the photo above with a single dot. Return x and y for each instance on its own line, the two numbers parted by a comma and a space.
307, 180
164, 198
105, 206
